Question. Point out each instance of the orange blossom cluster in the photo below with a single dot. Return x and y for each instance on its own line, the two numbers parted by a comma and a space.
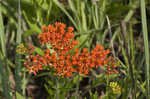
62, 60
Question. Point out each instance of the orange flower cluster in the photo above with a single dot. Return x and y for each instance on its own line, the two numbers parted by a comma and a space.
61, 41
62, 60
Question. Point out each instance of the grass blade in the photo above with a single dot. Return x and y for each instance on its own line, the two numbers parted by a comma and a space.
2, 39
146, 47
19, 23
4, 80
3, 67
18, 57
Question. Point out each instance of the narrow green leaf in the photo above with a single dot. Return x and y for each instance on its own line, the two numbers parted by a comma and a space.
2, 37
4, 79
72, 5
31, 32
146, 45
3, 68
83, 15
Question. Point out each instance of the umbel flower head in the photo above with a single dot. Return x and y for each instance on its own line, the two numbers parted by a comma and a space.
63, 57
21, 49
115, 87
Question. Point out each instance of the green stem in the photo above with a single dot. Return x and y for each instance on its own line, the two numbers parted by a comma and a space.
57, 87
77, 87
107, 87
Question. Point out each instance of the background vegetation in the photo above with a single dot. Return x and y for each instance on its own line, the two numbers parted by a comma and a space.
120, 25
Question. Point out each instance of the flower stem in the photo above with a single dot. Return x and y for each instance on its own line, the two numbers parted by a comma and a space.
77, 87
57, 87
107, 87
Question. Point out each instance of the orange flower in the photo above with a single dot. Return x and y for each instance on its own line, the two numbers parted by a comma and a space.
64, 63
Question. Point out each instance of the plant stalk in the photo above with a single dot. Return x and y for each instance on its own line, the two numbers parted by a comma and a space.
77, 87
57, 87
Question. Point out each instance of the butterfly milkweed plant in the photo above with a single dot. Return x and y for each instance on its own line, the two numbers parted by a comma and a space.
60, 52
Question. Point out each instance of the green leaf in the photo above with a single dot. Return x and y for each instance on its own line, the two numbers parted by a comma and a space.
31, 32
33, 26
39, 51
19, 96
